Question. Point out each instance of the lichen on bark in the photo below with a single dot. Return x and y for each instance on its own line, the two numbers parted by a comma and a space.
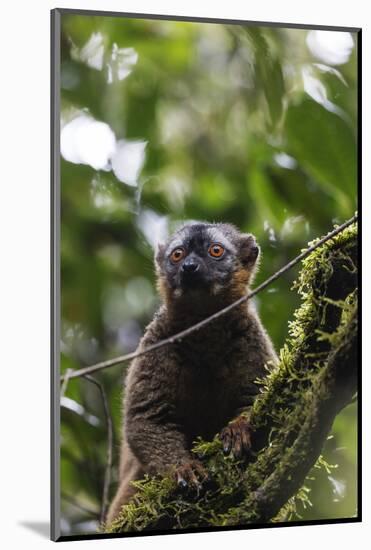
300, 397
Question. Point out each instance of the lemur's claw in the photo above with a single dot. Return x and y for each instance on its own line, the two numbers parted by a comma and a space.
236, 437
191, 475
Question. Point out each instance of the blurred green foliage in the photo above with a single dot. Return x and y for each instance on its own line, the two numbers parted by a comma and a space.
242, 124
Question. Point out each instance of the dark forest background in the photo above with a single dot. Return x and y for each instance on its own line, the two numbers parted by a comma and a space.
167, 122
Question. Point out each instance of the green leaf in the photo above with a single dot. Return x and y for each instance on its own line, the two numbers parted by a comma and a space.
269, 74
324, 145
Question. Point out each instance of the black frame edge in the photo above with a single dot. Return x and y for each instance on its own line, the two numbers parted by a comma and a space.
309, 523
359, 200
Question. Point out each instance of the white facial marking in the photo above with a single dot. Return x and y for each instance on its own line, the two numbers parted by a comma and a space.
175, 243
217, 236
216, 288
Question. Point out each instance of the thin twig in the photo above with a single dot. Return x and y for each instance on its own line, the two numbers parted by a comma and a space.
66, 379
207, 320
82, 507
107, 475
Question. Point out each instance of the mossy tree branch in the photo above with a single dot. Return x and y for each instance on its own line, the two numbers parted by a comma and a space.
315, 378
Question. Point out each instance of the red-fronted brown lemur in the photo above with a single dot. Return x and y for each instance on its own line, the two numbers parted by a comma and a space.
205, 383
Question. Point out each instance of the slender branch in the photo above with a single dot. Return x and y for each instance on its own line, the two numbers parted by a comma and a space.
220, 313
66, 379
107, 475
83, 508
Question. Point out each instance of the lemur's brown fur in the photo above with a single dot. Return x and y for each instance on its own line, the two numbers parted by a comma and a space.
204, 384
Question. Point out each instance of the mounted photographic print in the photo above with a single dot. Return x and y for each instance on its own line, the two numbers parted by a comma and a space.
205, 366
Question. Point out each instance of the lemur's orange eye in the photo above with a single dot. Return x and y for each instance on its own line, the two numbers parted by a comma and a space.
216, 250
177, 255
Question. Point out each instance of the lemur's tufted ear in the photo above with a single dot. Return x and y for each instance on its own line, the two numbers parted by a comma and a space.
159, 254
249, 250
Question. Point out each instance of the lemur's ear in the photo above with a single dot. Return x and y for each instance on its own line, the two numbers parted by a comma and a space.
159, 254
249, 250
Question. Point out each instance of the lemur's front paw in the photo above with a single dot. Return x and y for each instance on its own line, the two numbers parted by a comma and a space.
236, 437
191, 475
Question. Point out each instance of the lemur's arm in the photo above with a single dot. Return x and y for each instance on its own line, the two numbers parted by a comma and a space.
236, 436
150, 424
153, 432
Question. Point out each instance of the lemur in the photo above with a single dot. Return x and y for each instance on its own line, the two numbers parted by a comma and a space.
204, 384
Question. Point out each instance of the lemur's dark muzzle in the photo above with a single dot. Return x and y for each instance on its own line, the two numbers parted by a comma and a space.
192, 273
190, 266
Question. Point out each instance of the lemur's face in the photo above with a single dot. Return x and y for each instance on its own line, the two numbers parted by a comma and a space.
206, 257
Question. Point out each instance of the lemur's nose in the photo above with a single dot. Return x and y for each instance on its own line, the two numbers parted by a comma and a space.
190, 266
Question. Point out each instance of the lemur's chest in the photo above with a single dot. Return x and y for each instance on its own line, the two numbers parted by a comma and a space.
207, 388
203, 402
213, 346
